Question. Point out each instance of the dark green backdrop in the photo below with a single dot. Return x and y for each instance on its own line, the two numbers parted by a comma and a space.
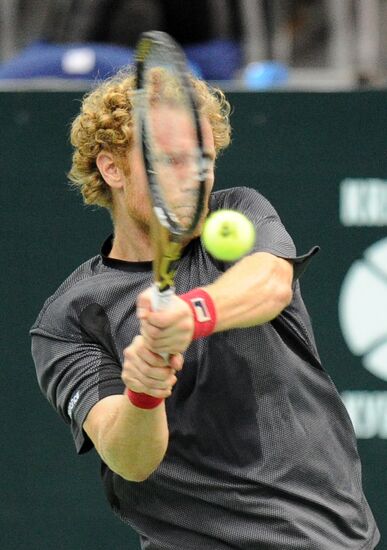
296, 148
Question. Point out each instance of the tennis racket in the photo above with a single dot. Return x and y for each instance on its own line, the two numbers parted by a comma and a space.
170, 133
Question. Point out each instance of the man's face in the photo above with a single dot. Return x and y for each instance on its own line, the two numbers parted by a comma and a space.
174, 166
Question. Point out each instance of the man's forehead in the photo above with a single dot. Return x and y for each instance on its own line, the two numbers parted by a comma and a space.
168, 123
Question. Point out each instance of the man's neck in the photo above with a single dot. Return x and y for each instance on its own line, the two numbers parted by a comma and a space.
131, 242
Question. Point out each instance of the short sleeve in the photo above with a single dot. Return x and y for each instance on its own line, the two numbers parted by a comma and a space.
271, 235
74, 376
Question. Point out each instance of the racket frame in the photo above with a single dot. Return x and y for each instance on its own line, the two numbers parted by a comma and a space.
167, 236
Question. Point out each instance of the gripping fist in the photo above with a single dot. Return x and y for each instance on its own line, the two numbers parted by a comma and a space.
168, 330
147, 372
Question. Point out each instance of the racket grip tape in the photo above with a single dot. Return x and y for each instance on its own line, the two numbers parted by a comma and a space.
203, 310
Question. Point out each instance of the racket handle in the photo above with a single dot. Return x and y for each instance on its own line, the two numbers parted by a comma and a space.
162, 300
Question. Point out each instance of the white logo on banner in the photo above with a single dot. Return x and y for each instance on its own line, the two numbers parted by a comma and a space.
363, 309
363, 320
363, 202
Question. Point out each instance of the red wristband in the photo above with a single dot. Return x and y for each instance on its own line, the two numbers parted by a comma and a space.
203, 310
143, 400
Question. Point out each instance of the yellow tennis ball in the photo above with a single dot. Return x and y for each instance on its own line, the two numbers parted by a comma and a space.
227, 235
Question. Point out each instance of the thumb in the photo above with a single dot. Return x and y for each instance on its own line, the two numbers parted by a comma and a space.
176, 361
143, 304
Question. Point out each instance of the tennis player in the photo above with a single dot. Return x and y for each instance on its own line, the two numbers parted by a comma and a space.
239, 440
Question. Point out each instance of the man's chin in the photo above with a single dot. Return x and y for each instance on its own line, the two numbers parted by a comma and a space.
198, 229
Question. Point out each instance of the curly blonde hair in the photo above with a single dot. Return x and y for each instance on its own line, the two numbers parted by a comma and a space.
105, 122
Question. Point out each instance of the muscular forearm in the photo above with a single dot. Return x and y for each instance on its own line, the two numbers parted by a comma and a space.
252, 292
131, 441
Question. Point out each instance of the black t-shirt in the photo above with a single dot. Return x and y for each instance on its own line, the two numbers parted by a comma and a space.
262, 453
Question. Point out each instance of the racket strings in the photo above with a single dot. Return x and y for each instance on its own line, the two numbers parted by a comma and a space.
171, 141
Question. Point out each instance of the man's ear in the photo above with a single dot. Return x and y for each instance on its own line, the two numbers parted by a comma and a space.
110, 169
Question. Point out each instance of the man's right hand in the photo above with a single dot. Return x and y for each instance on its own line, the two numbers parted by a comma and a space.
146, 372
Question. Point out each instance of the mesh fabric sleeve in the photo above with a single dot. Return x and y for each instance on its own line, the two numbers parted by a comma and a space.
271, 235
74, 375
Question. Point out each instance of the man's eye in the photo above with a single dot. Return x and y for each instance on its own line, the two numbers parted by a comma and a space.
166, 160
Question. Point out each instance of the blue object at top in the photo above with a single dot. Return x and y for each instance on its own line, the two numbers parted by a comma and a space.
78, 61
215, 60
265, 74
